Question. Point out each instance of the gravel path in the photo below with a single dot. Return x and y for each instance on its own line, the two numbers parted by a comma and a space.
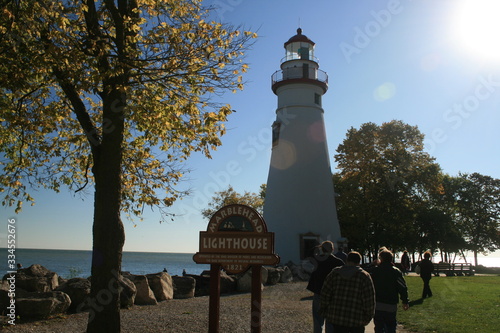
285, 308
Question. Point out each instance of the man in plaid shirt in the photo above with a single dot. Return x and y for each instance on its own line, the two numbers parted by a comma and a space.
348, 297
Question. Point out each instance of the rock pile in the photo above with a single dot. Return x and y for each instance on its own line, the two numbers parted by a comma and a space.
41, 293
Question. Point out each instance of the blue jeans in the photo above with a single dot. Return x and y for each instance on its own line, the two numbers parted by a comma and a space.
385, 321
318, 320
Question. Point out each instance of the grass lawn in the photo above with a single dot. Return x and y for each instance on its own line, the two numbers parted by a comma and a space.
459, 304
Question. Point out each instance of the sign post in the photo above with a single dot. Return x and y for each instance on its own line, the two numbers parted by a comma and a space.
236, 239
214, 299
256, 309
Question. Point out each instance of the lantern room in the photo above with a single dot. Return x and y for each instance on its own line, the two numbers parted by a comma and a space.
299, 47
299, 65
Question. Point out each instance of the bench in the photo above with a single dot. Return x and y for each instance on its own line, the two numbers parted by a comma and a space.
452, 269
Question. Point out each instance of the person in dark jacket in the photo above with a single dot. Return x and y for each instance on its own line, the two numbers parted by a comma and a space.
325, 261
426, 269
390, 286
405, 262
341, 254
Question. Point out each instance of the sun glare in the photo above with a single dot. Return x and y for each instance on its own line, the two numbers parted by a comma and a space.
477, 28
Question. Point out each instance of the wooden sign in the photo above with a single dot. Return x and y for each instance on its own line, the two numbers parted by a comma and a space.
236, 239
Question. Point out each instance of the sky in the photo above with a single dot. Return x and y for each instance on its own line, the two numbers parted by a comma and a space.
431, 64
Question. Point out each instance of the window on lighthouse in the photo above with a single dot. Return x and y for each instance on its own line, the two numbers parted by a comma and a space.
317, 99
276, 132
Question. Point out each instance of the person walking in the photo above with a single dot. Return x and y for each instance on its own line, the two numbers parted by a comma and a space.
325, 261
348, 297
341, 254
405, 262
426, 269
390, 285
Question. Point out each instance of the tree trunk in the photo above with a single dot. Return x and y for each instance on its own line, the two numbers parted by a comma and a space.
108, 231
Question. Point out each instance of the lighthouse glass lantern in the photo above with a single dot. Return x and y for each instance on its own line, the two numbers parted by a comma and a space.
301, 48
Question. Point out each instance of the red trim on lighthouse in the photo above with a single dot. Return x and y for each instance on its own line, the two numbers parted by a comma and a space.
277, 84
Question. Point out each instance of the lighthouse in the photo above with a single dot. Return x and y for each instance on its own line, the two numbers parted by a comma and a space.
300, 199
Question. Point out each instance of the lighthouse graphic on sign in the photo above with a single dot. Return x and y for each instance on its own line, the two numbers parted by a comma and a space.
300, 199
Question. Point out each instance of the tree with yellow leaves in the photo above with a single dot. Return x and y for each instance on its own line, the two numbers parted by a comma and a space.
114, 94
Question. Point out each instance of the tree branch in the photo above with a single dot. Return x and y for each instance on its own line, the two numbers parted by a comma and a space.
79, 109
96, 38
86, 176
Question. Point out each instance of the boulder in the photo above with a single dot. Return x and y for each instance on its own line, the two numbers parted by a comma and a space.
4, 297
184, 286
34, 305
244, 282
4, 302
309, 266
265, 274
161, 285
144, 295
35, 278
286, 275
202, 284
273, 275
227, 283
78, 289
128, 292
75, 288
61, 280
298, 272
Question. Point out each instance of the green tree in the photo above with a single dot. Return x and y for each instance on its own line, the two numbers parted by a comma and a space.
352, 218
436, 229
447, 227
115, 94
385, 176
477, 200
230, 196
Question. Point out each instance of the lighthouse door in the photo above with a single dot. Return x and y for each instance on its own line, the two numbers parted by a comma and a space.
307, 244
305, 71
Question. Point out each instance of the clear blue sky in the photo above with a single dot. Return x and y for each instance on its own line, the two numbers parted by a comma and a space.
421, 62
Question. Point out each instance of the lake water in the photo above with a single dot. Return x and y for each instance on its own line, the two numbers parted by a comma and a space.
74, 263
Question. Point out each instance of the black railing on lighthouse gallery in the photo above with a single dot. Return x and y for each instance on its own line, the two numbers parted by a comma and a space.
299, 74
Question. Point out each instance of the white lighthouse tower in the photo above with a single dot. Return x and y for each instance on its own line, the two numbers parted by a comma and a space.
300, 202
